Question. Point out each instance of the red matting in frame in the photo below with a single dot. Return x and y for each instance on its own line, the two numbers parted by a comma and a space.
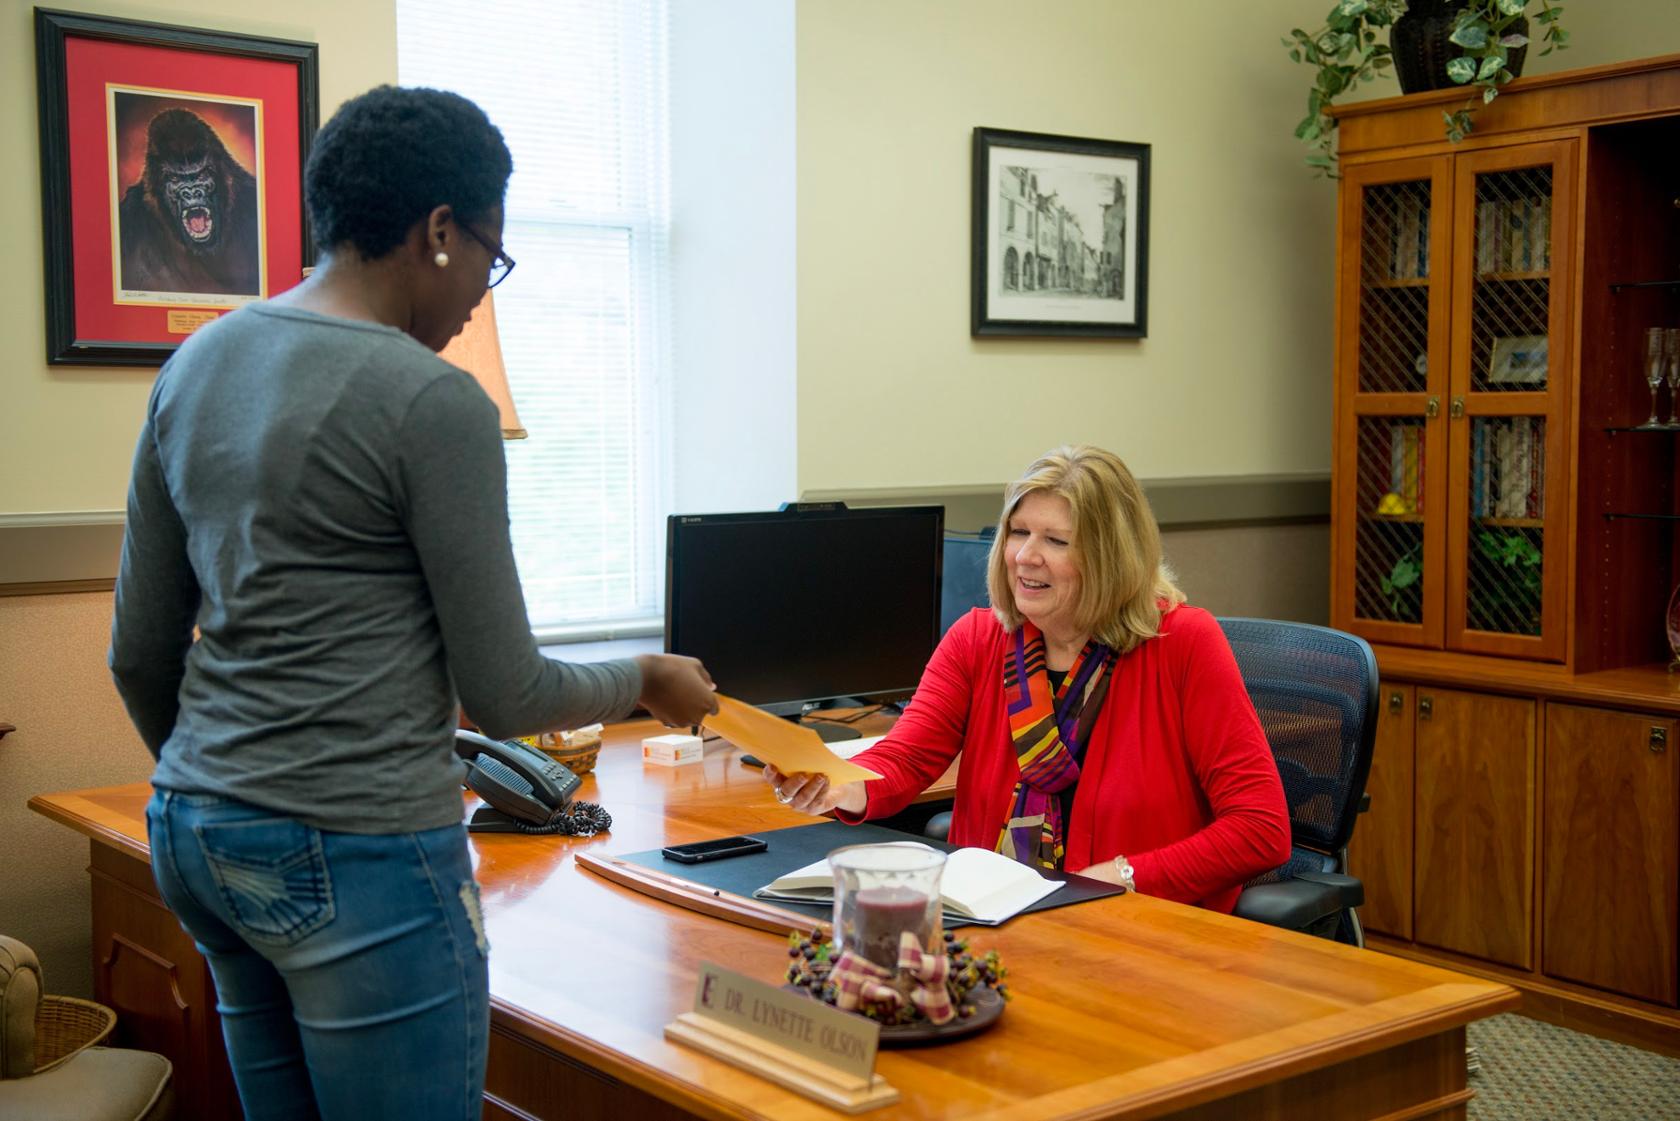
89, 65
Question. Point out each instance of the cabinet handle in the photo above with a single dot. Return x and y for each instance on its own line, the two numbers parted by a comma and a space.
1433, 409
1659, 739
1426, 707
1395, 700
1457, 409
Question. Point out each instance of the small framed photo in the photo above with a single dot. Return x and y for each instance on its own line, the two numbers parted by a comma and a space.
1518, 360
171, 179
1061, 236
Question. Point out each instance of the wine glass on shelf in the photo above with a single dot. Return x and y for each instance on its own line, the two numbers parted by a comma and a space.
1655, 341
1671, 358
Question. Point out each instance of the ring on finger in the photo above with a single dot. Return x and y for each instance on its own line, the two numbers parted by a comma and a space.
784, 799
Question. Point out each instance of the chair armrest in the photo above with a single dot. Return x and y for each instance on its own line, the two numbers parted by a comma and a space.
1297, 903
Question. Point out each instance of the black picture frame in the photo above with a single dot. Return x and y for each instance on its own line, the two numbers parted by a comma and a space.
1036, 269
67, 341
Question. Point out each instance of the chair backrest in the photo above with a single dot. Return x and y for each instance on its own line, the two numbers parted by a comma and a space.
1316, 692
963, 581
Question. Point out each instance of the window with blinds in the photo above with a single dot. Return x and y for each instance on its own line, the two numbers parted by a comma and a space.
579, 90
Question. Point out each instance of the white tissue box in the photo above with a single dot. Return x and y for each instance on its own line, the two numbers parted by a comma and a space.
673, 750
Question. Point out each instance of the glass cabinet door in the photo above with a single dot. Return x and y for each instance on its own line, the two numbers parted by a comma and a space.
1506, 548
1392, 360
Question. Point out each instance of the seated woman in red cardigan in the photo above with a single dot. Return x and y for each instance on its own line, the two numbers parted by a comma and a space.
1103, 725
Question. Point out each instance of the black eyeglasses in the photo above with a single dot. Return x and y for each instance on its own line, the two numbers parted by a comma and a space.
500, 263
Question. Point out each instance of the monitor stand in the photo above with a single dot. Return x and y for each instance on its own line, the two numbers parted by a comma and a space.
827, 730
830, 732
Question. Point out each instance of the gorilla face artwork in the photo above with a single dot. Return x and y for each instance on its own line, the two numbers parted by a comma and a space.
189, 223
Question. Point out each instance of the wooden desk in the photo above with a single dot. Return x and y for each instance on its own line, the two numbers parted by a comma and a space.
1127, 1007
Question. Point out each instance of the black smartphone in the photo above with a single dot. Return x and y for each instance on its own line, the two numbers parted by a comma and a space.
720, 849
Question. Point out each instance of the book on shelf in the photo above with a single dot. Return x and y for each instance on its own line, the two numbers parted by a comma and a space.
1508, 468
1487, 238
979, 885
1543, 232
1478, 470
1405, 233
1513, 235
1516, 236
1405, 465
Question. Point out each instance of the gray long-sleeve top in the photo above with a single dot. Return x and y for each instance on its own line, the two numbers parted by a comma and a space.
326, 501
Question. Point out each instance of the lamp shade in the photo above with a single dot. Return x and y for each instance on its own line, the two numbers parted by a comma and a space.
478, 351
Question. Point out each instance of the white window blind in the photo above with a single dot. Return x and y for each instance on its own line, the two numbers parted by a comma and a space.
579, 90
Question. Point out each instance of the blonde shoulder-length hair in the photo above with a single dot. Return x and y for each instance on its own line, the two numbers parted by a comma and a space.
1125, 586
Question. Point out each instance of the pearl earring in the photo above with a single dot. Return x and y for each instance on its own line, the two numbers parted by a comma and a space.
442, 259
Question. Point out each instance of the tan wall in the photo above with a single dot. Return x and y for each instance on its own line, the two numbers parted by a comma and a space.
68, 435
1234, 378
71, 733
72, 450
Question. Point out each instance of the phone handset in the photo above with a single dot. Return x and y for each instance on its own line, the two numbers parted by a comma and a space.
526, 791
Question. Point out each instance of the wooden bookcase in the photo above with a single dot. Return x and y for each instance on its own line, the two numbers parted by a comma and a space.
1507, 535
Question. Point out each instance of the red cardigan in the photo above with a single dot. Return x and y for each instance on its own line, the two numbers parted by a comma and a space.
1177, 776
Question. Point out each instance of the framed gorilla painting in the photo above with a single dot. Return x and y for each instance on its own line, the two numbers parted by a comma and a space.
171, 180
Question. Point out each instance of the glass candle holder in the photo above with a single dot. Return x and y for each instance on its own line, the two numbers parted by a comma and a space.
882, 891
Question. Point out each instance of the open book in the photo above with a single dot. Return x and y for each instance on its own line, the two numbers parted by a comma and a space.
977, 885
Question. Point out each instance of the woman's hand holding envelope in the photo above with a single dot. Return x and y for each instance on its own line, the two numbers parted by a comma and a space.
814, 794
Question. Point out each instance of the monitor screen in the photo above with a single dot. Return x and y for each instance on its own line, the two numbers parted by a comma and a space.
791, 608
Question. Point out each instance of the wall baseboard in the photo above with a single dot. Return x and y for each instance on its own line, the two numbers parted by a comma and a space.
51, 549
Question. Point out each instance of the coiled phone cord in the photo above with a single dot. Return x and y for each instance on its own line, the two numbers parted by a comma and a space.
579, 819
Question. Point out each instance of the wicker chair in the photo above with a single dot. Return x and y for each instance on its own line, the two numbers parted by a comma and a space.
51, 1065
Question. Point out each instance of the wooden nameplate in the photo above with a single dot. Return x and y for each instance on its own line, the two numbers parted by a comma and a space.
781, 1065
798, 1043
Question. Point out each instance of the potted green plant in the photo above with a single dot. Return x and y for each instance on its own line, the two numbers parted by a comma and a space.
1506, 582
1486, 41
1403, 586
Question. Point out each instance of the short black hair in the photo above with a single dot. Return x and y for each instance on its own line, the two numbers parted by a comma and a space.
392, 155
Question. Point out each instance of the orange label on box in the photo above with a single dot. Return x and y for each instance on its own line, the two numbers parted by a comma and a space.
178, 322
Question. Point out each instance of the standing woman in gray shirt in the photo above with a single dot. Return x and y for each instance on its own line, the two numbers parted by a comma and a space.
325, 500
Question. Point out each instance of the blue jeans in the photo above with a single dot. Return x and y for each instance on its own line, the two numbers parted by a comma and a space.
350, 969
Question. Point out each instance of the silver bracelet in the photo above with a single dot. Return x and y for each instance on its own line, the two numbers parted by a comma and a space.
1123, 869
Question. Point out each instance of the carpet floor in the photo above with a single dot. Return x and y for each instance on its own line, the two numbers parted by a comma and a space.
1534, 1071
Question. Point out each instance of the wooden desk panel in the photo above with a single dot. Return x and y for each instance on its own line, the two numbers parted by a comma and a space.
1125, 1007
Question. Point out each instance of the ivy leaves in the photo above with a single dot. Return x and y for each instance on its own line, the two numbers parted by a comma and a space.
1345, 51
1483, 30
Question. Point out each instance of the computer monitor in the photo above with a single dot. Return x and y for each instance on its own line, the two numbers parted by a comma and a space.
801, 607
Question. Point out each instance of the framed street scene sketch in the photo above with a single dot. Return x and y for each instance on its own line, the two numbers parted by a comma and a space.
1061, 236
171, 180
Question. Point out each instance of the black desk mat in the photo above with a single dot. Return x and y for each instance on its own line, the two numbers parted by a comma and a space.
806, 844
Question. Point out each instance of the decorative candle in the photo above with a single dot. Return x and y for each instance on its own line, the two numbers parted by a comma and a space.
881, 891
883, 914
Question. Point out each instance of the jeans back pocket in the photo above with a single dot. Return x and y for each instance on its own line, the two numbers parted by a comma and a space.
272, 876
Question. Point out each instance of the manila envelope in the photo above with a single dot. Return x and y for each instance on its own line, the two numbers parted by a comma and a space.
788, 746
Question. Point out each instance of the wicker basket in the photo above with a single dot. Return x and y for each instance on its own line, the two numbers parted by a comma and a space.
575, 751
65, 1025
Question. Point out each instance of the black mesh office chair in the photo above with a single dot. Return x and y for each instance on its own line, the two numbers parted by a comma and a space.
1316, 692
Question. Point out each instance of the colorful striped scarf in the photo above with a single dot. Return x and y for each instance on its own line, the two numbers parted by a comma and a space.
1049, 733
